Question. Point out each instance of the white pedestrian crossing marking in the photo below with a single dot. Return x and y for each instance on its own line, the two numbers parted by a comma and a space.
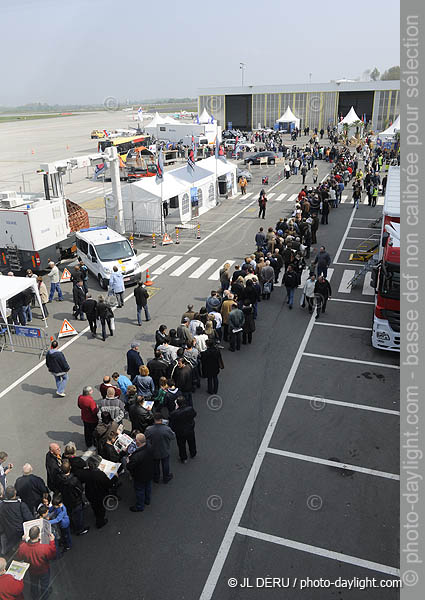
344, 199
381, 201
185, 266
216, 274
86, 190
152, 261
247, 195
95, 190
292, 197
367, 288
169, 263
269, 196
141, 256
200, 270
280, 197
346, 278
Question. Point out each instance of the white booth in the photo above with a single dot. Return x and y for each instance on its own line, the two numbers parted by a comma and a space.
288, 121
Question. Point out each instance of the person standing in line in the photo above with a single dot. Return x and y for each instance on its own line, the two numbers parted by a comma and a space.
325, 211
249, 322
13, 514
58, 367
141, 296
54, 282
290, 281
38, 555
30, 488
89, 409
42, 290
10, 588
134, 361
235, 322
89, 308
304, 172
322, 260
322, 293
211, 362
262, 203
98, 486
260, 239
182, 422
72, 493
160, 437
4, 471
141, 468
53, 466
116, 286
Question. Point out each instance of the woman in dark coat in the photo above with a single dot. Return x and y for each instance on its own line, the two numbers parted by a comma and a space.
211, 364
249, 324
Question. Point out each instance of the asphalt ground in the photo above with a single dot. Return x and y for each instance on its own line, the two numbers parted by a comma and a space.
320, 498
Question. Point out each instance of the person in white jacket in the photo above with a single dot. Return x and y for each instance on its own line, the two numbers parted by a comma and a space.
116, 286
55, 285
308, 292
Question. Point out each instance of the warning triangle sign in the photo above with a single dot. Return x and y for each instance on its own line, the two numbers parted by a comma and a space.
66, 276
67, 329
166, 239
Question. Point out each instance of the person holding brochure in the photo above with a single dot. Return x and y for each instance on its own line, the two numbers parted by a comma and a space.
10, 588
38, 556
98, 486
141, 468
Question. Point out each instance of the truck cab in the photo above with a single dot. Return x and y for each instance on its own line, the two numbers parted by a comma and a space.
101, 249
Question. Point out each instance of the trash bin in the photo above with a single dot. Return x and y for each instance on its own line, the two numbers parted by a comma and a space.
222, 188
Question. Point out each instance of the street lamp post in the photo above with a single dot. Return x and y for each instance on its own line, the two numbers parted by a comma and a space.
242, 67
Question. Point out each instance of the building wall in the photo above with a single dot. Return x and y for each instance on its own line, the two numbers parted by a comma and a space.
215, 106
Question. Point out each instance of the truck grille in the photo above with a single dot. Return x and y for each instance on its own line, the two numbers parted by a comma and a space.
393, 318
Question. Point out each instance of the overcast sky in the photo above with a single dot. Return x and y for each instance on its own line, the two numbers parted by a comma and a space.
82, 51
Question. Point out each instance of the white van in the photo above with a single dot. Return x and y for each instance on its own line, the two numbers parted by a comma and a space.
101, 249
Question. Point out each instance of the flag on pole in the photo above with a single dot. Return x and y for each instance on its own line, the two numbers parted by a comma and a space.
217, 147
197, 119
212, 120
191, 157
160, 166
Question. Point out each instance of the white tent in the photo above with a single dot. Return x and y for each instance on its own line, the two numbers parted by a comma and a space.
142, 201
350, 118
157, 120
205, 117
390, 132
289, 117
12, 286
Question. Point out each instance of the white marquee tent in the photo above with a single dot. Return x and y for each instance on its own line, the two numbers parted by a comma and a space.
289, 117
350, 118
12, 286
391, 131
205, 117
142, 201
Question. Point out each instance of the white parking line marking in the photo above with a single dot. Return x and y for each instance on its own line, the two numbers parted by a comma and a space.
368, 290
216, 274
347, 275
318, 399
360, 238
351, 360
86, 190
200, 270
353, 301
343, 326
169, 263
341, 246
185, 266
338, 556
152, 261
280, 197
292, 197
331, 463
95, 190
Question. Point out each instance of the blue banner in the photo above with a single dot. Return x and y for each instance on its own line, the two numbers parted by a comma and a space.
32, 332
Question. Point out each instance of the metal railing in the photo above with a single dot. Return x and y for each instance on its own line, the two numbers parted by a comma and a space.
29, 338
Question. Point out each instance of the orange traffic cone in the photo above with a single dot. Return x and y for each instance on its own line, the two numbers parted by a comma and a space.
148, 281
32, 151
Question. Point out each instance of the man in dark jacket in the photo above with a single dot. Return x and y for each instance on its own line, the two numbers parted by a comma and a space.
78, 296
322, 293
30, 488
140, 417
290, 281
71, 489
53, 466
158, 367
89, 308
13, 513
160, 437
314, 228
134, 361
182, 422
141, 296
98, 486
212, 362
141, 468
322, 260
16, 303
89, 409
58, 367
236, 321
260, 239
182, 375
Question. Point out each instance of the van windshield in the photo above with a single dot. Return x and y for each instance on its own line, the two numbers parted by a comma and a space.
114, 251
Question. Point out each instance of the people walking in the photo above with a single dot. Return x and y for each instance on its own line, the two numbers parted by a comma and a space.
79, 296
88, 408
116, 286
308, 293
141, 296
262, 203
134, 361
55, 286
322, 293
160, 437
58, 367
89, 308
106, 316
322, 260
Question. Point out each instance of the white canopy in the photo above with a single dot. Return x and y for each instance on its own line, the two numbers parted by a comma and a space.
157, 120
391, 130
12, 286
350, 117
289, 117
205, 117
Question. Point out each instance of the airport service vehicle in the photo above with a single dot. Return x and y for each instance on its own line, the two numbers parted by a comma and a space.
197, 140
386, 275
97, 134
254, 159
101, 249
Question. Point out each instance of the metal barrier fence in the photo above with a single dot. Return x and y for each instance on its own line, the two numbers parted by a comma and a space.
20, 336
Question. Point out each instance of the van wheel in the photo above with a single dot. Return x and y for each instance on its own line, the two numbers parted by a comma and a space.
102, 282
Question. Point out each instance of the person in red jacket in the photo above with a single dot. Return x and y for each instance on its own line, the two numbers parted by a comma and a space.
38, 556
10, 588
89, 410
